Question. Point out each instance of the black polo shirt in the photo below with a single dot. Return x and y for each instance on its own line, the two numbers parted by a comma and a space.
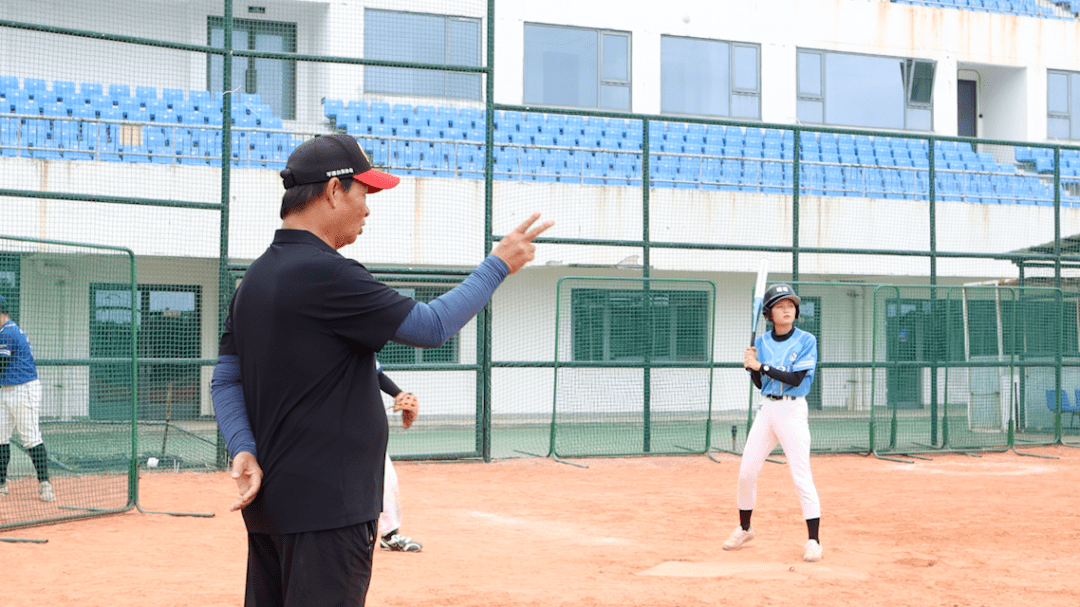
306, 324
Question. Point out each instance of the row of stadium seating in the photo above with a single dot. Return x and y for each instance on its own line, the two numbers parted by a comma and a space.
1028, 8
118, 103
448, 142
1042, 160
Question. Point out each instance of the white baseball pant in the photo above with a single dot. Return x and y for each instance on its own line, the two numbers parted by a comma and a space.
20, 410
784, 421
390, 519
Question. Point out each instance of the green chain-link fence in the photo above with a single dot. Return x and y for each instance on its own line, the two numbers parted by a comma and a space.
160, 129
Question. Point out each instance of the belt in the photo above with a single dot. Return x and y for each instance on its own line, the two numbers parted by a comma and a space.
784, 397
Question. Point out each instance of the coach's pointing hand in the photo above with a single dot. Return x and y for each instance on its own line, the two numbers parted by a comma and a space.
516, 248
248, 476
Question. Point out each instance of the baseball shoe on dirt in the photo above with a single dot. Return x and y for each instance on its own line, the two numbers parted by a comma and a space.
738, 538
812, 553
47, 494
399, 543
3, 490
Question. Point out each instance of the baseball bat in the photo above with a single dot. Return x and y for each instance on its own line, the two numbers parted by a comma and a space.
759, 295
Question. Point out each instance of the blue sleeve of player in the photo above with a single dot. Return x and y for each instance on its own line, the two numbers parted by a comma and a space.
5, 343
807, 360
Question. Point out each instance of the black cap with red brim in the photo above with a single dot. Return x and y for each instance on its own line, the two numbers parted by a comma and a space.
328, 156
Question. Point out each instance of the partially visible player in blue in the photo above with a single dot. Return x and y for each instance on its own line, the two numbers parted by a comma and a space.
781, 363
20, 403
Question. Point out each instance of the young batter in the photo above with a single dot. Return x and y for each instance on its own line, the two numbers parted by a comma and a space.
781, 364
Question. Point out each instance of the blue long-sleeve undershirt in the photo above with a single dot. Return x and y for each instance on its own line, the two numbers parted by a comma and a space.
427, 326
430, 325
228, 395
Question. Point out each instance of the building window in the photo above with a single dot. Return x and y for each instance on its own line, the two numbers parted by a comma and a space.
574, 67
420, 38
709, 78
609, 325
273, 80
865, 91
1063, 105
397, 354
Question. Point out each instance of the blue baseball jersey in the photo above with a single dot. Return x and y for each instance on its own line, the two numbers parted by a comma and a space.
794, 354
16, 349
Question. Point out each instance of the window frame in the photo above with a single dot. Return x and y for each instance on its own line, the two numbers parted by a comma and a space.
1067, 114
908, 75
254, 27
732, 90
600, 80
447, 51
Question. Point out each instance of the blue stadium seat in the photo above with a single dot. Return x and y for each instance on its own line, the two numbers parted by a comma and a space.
144, 93
730, 174
333, 108
663, 170
425, 116
447, 117
689, 172
772, 178
505, 167
711, 172
894, 188
1044, 165
64, 90
91, 89
8, 83
751, 176
673, 131
717, 133
117, 91
34, 86
171, 96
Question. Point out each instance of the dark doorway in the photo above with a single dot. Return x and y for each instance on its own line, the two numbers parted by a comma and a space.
967, 102
906, 322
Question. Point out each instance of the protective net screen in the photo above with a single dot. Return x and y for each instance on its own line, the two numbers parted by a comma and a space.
609, 398
68, 381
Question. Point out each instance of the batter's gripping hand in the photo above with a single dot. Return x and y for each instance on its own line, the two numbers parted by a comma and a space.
516, 248
409, 407
248, 476
750, 361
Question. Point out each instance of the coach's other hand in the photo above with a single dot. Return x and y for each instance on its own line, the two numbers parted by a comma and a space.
248, 476
516, 248
409, 407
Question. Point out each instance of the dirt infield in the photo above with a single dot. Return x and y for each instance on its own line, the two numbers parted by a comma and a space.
955, 531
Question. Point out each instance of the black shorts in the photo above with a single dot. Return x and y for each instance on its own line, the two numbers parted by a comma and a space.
326, 568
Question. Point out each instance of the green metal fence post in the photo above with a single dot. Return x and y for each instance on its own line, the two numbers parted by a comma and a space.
133, 472
795, 208
646, 412
224, 284
935, 321
483, 319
